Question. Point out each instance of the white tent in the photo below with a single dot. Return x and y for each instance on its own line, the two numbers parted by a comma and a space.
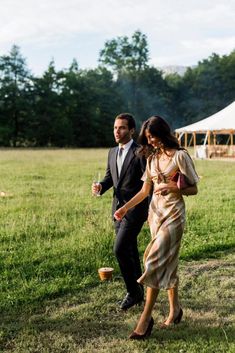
222, 122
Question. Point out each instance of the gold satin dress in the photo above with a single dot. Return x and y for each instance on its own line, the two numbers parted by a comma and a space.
166, 220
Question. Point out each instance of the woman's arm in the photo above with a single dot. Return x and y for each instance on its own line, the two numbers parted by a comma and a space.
172, 187
140, 196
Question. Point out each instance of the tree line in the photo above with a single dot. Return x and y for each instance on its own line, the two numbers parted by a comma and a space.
75, 108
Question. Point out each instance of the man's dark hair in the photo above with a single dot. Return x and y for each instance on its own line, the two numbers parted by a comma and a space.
130, 119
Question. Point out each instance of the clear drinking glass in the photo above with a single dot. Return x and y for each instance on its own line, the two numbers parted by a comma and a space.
96, 181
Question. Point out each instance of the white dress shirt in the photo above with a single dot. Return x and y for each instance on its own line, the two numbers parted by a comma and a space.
126, 148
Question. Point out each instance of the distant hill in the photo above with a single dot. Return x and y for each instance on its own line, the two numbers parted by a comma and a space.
172, 69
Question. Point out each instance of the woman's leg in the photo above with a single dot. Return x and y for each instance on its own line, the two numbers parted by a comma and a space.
174, 305
146, 315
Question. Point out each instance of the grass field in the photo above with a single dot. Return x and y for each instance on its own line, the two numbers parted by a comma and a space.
54, 236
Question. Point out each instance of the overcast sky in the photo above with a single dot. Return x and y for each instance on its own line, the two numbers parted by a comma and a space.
179, 32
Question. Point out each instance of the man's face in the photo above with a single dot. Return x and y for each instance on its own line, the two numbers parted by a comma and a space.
121, 131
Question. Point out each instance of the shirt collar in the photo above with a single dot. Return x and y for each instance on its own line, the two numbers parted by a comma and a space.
127, 145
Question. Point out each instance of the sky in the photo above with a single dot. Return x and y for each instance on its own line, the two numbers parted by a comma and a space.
179, 32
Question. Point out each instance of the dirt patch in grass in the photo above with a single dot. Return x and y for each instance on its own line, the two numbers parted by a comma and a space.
91, 321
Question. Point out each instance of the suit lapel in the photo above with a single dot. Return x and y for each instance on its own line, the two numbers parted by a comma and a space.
114, 171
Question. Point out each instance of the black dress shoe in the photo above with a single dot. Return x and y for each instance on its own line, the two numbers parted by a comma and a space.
131, 300
137, 336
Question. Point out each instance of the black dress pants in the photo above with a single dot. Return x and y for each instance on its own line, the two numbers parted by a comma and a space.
126, 252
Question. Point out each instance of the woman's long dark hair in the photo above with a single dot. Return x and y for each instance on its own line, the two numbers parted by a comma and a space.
157, 127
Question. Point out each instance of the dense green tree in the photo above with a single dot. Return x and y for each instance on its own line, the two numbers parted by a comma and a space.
49, 121
227, 73
74, 107
106, 102
203, 90
128, 58
15, 96
124, 54
154, 94
151, 94
78, 106
90, 102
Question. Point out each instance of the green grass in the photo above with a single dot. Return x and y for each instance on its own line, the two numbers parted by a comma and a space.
55, 235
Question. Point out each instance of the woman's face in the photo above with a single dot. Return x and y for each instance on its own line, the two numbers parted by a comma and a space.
152, 140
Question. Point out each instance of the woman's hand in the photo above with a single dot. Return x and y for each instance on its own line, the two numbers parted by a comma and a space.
164, 189
120, 213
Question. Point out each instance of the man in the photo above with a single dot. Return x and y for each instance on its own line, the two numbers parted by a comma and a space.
124, 171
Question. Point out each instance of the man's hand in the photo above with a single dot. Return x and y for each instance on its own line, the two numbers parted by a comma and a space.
96, 189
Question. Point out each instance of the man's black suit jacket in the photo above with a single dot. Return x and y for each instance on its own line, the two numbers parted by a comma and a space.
128, 184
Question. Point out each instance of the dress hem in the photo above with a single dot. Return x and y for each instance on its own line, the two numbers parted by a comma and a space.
157, 287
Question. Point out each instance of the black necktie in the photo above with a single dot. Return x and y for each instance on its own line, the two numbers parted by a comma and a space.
119, 160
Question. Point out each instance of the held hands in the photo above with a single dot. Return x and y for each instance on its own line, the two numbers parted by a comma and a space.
164, 189
120, 213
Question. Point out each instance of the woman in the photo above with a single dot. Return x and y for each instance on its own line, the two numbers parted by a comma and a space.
166, 218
